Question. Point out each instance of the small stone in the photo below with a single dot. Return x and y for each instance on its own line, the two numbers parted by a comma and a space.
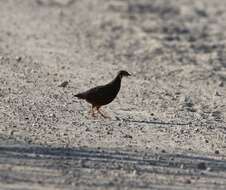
187, 181
191, 109
218, 94
201, 12
134, 172
63, 84
188, 101
182, 166
18, 59
81, 163
206, 141
217, 115
117, 118
221, 84
87, 129
163, 151
128, 136
217, 152
201, 166
12, 132
53, 115
159, 158
197, 130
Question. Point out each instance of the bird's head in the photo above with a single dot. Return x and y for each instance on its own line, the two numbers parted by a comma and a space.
123, 73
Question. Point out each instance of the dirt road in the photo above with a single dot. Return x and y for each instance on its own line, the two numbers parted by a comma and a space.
168, 122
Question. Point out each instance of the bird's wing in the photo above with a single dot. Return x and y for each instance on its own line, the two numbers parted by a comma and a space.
99, 93
96, 92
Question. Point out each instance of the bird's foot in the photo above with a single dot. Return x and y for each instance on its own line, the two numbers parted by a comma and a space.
103, 115
92, 112
94, 115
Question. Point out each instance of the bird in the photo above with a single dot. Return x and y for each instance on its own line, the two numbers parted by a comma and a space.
104, 94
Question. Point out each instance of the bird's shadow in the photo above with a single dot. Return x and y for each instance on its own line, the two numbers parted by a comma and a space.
152, 122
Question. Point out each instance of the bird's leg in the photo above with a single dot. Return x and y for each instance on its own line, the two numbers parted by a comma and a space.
93, 111
98, 110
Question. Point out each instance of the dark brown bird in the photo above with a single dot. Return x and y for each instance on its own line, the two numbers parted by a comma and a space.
102, 95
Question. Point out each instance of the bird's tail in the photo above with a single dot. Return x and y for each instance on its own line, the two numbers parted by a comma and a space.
79, 96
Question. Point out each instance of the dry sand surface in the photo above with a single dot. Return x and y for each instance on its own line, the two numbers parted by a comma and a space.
168, 122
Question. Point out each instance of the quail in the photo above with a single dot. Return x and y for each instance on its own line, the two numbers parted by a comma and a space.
103, 95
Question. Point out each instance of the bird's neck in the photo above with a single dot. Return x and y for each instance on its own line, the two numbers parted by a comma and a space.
117, 81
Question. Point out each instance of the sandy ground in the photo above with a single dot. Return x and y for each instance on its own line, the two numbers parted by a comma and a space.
168, 122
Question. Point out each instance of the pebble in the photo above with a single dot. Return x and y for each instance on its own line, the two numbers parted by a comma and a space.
182, 166
218, 94
187, 181
202, 166
187, 100
64, 84
163, 151
128, 136
18, 59
196, 130
221, 84
11, 132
